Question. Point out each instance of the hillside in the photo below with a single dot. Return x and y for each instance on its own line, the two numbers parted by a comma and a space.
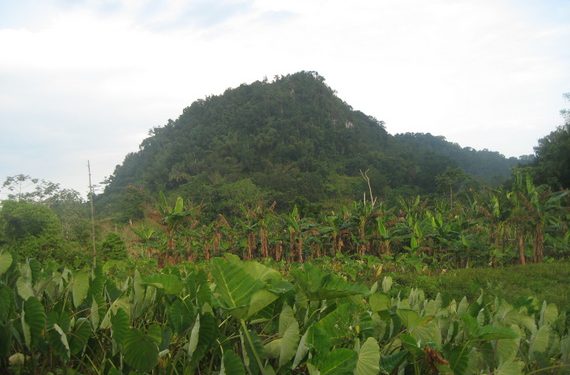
292, 141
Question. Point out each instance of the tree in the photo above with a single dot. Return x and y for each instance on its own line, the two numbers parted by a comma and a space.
450, 180
24, 187
552, 166
30, 230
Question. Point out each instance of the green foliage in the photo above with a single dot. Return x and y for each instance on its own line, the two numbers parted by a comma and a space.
31, 230
89, 322
514, 283
552, 158
113, 247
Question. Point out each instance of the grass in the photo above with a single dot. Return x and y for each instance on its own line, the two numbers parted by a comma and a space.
547, 282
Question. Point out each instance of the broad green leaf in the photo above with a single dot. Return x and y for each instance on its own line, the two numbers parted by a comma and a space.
368, 362
410, 318
24, 288
391, 362
5, 303
379, 302
565, 349
427, 331
286, 318
207, 335
80, 287
179, 205
548, 314
155, 332
412, 345
320, 285
139, 294
180, 316
260, 272
79, 336
507, 349
386, 284
540, 340
463, 306
94, 314
119, 303
34, 317
120, 326
63, 340
289, 331
253, 349
5, 262
335, 327
6, 342
231, 364
470, 325
194, 336
140, 351
171, 284
302, 350
490, 332
338, 362
313, 369
319, 340
26, 330
259, 300
285, 346
235, 286
459, 359
273, 348
510, 368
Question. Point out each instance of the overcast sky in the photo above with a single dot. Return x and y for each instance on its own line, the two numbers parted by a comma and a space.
87, 79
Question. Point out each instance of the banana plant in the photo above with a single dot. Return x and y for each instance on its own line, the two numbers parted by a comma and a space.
173, 218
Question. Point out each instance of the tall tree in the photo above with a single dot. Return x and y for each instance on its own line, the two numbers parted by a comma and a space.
552, 166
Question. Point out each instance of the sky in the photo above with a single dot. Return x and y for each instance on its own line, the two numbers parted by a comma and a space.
86, 80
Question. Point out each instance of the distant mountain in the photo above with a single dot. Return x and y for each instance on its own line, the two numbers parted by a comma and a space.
292, 141
489, 166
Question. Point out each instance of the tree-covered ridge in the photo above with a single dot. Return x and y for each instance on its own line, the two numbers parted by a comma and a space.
489, 166
291, 141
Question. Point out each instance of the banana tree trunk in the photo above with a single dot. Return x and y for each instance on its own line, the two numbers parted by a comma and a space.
538, 248
264, 243
520, 240
250, 244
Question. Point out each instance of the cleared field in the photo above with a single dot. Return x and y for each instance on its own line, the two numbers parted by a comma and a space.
546, 281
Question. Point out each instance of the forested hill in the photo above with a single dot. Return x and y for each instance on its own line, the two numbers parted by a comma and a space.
290, 141
490, 166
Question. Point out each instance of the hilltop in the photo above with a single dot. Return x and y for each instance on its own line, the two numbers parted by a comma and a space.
291, 141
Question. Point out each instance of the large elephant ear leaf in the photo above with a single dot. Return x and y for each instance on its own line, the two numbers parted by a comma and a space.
79, 336
206, 330
5, 303
289, 331
120, 326
254, 353
231, 364
33, 320
369, 358
319, 285
140, 351
510, 368
80, 287
5, 262
338, 362
180, 316
234, 285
